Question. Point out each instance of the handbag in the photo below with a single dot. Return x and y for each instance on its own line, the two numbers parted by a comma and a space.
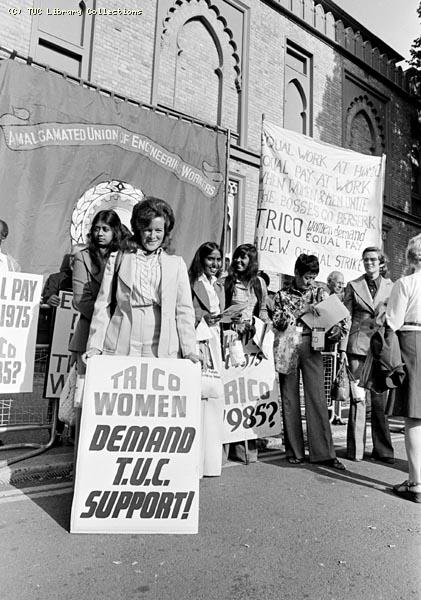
285, 349
66, 410
340, 390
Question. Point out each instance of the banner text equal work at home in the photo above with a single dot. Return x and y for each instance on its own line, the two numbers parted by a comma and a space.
138, 459
317, 199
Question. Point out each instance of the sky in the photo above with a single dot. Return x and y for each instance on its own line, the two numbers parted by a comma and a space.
393, 21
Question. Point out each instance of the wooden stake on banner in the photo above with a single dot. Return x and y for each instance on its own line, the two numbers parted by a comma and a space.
225, 228
280, 276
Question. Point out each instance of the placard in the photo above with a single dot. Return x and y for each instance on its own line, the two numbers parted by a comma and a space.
65, 322
139, 448
251, 394
315, 198
20, 295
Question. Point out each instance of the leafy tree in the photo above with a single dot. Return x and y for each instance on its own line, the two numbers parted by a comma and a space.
415, 51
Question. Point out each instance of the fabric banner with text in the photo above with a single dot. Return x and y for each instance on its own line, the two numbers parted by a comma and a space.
319, 199
20, 294
67, 152
138, 455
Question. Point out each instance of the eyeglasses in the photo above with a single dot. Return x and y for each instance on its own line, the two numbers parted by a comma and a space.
370, 259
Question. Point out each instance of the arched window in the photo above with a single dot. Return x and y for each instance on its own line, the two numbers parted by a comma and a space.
298, 90
295, 117
198, 75
199, 71
362, 134
61, 37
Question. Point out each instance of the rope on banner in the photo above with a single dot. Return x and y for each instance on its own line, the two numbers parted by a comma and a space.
157, 109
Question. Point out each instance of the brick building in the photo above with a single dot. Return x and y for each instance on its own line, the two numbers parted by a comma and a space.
306, 65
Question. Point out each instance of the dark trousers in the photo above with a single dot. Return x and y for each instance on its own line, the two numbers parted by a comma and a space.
319, 434
371, 407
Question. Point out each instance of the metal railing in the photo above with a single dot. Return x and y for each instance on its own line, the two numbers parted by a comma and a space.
30, 411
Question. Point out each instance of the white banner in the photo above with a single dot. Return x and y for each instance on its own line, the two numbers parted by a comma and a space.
251, 395
20, 295
319, 199
65, 321
139, 448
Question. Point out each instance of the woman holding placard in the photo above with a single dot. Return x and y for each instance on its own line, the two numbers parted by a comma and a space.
208, 303
247, 291
144, 307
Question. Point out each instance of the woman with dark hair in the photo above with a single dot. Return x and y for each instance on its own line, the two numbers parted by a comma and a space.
296, 299
148, 311
87, 268
208, 303
243, 287
105, 236
207, 291
403, 315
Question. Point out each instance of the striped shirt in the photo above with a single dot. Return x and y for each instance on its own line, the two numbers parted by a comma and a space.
147, 282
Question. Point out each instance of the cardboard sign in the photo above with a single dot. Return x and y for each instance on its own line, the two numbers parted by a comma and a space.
20, 295
330, 312
64, 326
251, 394
139, 448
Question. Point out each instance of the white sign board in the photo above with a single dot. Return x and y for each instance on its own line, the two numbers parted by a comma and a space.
20, 295
64, 326
139, 448
319, 199
251, 408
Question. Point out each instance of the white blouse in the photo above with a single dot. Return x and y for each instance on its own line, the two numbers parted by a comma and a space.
215, 309
404, 305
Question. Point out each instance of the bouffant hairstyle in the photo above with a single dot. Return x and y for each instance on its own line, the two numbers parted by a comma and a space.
143, 213
307, 263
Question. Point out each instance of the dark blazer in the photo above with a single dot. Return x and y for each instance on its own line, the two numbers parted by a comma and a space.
201, 299
86, 283
385, 369
364, 311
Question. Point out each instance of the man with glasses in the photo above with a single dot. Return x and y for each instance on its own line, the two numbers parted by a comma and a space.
366, 299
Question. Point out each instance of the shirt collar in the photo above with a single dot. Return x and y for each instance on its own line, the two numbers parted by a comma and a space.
157, 252
204, 279
376, 281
